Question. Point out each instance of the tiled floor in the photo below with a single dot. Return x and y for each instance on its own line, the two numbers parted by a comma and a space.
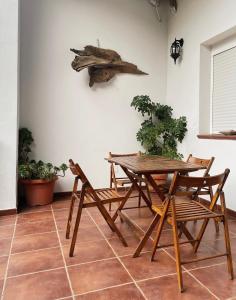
34, 260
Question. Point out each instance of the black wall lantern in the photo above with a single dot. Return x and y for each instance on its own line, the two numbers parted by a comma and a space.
176, 49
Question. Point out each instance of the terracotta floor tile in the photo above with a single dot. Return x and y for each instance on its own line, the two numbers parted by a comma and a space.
7, 220
99, 219
166, 237
232, 226
62, 214
166, 288
142, 267
44, 285
34, 209
62, 204
140, 213
144, 223
133, 202
124, 292
86, 234
94, 210
132, 242
123, 227
94, 266
6, 231
36, 227
28, 262
1, 286
84, 222
219, 246
35, 242
97, 275
210, 233
3, 265
217, 279
186, 253
143, 217
35, 217
86, 252
5, 245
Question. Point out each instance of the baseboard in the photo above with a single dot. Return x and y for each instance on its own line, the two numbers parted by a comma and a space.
7, 212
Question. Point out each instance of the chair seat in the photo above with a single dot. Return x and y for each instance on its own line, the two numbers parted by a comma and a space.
187, 210
104, 195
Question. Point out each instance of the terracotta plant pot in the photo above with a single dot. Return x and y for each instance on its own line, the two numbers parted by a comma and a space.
38, 191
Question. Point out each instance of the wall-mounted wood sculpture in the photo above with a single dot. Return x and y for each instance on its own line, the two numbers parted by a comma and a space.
102, 64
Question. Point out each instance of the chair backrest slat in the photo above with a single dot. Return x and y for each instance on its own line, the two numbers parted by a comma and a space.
198, 182
207, 163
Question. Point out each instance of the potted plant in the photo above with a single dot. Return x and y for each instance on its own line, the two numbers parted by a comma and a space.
159, 132
38, 178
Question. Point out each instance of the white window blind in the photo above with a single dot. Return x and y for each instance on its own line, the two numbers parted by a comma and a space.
224, 91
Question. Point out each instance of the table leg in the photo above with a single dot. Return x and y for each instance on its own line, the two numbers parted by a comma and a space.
134, 181
152, 182
122, 204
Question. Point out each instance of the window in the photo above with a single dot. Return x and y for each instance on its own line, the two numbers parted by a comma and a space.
223, 96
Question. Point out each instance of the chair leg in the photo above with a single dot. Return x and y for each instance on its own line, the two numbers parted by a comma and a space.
157, 238
228, 249
159, 229
77, 222
139, 195
146, 236
111, 223
122, 204
227, 238
217, 227
200, 235
148, 193
68, 226
177, 250
180, 230
72, 204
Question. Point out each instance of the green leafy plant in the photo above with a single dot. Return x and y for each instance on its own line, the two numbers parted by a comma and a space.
24, 146
30, 169
40, 170
159, 132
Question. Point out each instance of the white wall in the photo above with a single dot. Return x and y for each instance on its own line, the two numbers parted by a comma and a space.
198, 21
8, 102
68, 119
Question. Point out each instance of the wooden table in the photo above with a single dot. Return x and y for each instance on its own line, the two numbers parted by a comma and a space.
145, 166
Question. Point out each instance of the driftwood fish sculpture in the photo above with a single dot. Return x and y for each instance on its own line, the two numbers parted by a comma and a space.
102, 64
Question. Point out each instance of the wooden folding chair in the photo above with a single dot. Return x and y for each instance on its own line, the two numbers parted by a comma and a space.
125, 181
89, 197
207, 163
177, 211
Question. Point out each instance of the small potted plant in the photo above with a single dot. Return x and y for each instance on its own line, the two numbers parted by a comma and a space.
159, 132
37, 178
